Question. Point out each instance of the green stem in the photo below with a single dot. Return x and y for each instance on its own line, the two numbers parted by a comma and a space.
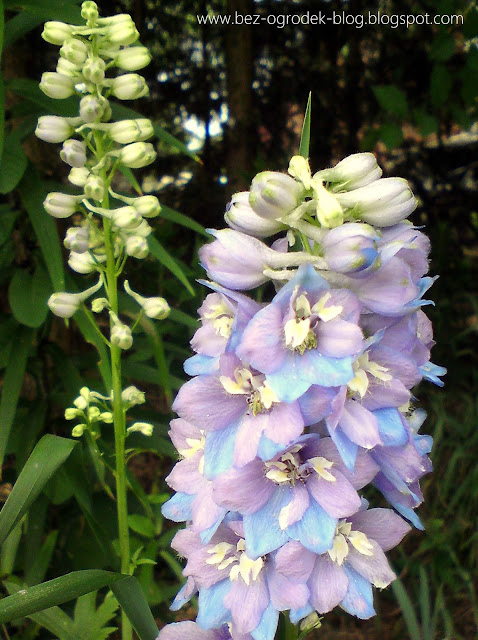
287, 630
118, 418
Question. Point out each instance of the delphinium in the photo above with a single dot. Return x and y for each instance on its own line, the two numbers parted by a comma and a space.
108, 227
299, 399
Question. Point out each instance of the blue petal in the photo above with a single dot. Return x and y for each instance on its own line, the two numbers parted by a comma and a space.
267, 449
358, 600
212, 612
180, 600
219, 451
266, 629
408, 513
324, 371
345, 446
207, 534
431, 372
261, 529
198, 364
308, 278
178, 508
391, 428
315, 530
296, 615
423, 444
370, 255
287, 383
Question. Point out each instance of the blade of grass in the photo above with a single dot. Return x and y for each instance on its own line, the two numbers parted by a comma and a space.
305, 135
408, 611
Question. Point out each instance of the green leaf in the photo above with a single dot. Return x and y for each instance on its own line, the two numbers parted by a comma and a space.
14, 163
54, 592
8, 219
9, 550
141, 524
64, 10
134, 604
20, 25
443, 47
12, 384
425, 605
166, 259
305, 135
29, 90
36, 573
391, 135
391, 99
28, 295
427, 123
185, 221
32, 194
178, 316
2, 94
408, 611
47, 456
440, 85
90, 621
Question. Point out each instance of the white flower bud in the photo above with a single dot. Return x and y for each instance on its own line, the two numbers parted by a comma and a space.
156, 308
53, 129
147, 206
78, 431
274, 194
125, 218
91, 108
56, 32
75, 51
352, 172
74, 153
242, 217
132, 396
121, 335
56, 85
329, 210
141, 427
82, 262
106, 417
66, 68
137, 155
136, 247
64, 304
133, 58
81, 402
94, 70
299, 168
124, 32
78, 176
71, 414
95, 188
129, 87
93, 414
89, 11
85, 393
99, 304
76, 239
61, 205
143, 229
127, 131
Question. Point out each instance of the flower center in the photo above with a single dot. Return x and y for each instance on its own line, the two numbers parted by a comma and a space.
290, 468
363, 366
222, 318
343, 536
260, 397
225, 555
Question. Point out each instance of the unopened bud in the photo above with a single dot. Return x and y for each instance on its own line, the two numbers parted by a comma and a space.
74, 50
94, 70
95, 188
242, 217
124, 32
127, 131
78, 431
60, 205
81, 403
56, 85
99, 304
76, 239
329, 210
74, 153
71, 414
91, 108
66, 68
133, 58
143, 230
129, 87
106, 417
352, 172
64, 304
121, 336
141, 427
156, 308
78, 176
93, 414
125, 218
82, 262
89, 11
274, 194
137, 155
53, 129
132, 396
136, 247
147, 206
56, 32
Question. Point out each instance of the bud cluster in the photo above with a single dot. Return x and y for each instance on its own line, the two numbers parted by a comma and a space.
94, 147
91, 409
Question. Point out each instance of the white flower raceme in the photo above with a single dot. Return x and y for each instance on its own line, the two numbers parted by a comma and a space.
353, 172
92, 108
64, 304
242, 217
129, 87
61, 205
274, 194
56, 32
137, 155
127, 131
56, 85
75, 51
76, 239
53, 129
132, 58
74, 153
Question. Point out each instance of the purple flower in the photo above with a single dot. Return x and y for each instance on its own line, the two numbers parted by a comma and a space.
299, 494
307, 335
350, 248
236, 588
191, 631
239, 403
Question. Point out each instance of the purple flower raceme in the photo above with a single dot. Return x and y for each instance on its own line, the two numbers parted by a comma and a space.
300, 401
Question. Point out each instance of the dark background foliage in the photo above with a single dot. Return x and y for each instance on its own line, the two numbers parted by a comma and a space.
235, 95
